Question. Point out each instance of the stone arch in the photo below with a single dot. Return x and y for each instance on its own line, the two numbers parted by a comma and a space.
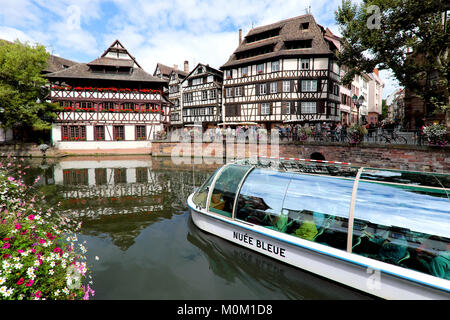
317, 156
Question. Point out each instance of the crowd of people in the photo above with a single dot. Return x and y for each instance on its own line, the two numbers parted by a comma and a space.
329, 131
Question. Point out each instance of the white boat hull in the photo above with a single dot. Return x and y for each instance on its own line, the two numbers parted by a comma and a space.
373, 277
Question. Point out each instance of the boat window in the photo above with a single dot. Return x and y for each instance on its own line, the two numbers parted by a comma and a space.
201, 195
261, 197
405, 225
317, 209
225, 189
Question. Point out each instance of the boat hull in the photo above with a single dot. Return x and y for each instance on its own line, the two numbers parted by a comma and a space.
348, 269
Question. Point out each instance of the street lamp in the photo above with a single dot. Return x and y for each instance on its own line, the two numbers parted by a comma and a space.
357, 102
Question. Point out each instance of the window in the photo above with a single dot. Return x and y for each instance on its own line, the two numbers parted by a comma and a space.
109, 106
140, 133
73, 133
286, 107
100, 176
141, 175
286, 86
244, 71
304, 64
260, 68
309, 85
273, 87
197, 81
304, 26
225, 189
229, 92
99, 133
232, 110
275, 66
228, 74
308, 107
297, 205
120, 175
201, 195
75, 177
238, 91
119, 133
204, 95
265, 108
263, 88
212, 94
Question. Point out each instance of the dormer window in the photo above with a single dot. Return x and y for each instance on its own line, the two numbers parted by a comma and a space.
200, 70
304, 26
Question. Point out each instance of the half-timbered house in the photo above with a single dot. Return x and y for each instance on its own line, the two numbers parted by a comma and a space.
201, 96
284, 72
108, 103
175, 79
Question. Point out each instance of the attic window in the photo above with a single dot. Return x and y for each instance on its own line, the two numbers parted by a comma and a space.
298, 44
254, 52
304, 26
263, 35
200, 70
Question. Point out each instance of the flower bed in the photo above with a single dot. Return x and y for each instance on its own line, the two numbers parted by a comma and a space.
40, 256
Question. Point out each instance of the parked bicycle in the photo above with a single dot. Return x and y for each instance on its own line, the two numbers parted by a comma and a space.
392, 137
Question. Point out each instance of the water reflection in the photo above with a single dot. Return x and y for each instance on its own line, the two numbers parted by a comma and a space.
135, 219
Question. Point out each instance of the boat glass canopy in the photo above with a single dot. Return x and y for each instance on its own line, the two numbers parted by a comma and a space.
398, 217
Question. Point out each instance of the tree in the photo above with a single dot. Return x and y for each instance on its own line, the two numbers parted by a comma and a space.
410, 37
22, 87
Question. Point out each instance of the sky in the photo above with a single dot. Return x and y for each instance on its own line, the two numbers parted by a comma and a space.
168, 32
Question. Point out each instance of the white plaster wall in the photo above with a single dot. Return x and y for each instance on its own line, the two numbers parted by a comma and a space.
290, 64
320, 63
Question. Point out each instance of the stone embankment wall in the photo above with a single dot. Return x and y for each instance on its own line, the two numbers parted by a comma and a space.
415, 158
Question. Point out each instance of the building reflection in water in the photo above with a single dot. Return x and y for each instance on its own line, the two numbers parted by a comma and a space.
121, 196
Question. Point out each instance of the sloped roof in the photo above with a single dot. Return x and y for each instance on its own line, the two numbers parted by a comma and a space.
56, 63
208, 70
286, 30
84, 70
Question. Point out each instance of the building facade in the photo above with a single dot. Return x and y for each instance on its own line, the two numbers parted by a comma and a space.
375, 95
201, 97
175, 97
108, 103
281, 73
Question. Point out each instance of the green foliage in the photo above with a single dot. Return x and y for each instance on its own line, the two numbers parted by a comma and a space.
436, 135
409, 38
39, 255
22, 91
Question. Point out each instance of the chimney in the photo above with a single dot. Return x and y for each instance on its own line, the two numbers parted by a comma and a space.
186, 66
240, 36
175, 66
375, 71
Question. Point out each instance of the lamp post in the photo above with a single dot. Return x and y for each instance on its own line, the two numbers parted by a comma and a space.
357, 102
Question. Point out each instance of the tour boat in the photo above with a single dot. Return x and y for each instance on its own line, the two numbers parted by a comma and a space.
381, 231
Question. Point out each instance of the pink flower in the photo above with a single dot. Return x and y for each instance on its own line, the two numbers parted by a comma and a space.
41, 241
6, 246
20, 251
29, 283
38, 294
10, 179
31, 217
21, 280
17, 226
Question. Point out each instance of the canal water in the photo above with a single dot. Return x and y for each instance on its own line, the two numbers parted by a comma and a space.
142, 243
